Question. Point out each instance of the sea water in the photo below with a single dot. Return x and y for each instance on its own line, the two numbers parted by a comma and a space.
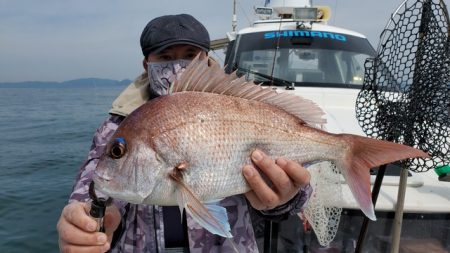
46, 133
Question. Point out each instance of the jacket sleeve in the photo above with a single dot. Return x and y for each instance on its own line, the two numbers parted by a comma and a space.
295, 205
80, 191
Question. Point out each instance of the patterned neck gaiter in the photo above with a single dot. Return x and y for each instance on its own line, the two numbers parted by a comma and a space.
162, 74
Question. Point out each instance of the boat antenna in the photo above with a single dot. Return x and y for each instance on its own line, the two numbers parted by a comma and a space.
275, 53
234, 19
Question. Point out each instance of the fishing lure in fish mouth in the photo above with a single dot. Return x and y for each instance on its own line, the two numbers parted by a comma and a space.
98, 207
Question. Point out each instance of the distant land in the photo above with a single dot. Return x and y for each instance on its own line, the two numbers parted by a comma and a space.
81, 83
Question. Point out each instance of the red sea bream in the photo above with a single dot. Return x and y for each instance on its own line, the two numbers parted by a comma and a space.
189, 147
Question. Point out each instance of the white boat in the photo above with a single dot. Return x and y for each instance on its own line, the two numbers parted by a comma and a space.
291, 48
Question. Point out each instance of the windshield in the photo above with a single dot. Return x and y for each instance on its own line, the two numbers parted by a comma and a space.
285, 58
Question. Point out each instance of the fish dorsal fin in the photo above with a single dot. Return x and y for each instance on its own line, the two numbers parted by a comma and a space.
200, 77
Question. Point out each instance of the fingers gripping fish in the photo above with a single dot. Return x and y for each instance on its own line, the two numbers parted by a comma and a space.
188, 148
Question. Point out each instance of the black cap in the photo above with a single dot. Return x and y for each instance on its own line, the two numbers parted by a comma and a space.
166, 31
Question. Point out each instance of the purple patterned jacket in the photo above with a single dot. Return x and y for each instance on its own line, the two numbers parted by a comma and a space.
142, 227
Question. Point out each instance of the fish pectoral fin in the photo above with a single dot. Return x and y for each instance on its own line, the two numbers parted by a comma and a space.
211, 216
217, 222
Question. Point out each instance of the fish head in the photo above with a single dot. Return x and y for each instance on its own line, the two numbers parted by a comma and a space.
128, 170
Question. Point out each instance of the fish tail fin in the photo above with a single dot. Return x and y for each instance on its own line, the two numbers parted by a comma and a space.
366, 153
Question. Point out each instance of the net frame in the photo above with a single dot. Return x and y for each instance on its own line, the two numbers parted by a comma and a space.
406, 93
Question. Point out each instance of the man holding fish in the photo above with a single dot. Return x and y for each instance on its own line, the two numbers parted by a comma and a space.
276, 188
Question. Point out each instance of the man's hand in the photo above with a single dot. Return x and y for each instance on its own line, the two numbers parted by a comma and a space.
76, 229
280, 182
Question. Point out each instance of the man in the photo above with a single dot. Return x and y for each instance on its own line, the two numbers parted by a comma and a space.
168, 44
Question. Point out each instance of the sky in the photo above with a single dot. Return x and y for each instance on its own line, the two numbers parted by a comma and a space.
60, 40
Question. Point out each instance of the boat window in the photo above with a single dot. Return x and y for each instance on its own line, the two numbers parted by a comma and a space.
330, 60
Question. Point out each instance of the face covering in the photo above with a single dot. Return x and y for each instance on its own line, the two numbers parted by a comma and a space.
162, 74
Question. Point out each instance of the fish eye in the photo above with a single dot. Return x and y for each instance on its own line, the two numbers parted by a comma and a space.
118, 148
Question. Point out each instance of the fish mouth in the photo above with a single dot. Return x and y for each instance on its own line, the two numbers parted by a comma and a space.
103, 176
102, 183
99, 182
105, 185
